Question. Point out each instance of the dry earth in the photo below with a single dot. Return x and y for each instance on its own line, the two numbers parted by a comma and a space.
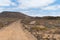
15, 32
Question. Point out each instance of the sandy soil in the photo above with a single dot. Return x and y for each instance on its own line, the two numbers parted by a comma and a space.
15, 32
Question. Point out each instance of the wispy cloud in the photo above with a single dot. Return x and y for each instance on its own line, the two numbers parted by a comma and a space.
5, 2
32, 7
26, 4
53, 7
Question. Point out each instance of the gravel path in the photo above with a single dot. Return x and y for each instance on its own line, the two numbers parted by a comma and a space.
15, 32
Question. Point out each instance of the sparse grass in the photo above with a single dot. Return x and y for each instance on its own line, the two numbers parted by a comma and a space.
39, 28
6, 21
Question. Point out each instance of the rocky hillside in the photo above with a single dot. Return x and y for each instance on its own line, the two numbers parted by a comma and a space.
13, 14
48, 21
7, 17
41, 27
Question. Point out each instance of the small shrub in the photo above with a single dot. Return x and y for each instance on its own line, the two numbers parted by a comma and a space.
38, 28
1, 25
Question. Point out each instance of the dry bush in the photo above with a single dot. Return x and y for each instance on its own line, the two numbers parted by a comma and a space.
38, 28
1, 25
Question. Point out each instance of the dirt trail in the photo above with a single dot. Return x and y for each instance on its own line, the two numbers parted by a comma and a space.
15, 32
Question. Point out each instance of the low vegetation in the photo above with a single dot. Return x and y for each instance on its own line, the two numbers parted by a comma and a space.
45, 28
6, 21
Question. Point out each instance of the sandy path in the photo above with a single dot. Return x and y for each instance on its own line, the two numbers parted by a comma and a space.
15, 32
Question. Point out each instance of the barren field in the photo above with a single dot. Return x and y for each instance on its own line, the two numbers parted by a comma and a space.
15, 32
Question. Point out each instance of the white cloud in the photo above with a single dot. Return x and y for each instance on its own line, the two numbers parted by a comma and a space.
5, 2
53, 7
58, 6
26, 4
34, 3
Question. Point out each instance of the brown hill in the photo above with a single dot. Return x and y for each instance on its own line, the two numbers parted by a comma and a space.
13, 14
7, 17
27, 19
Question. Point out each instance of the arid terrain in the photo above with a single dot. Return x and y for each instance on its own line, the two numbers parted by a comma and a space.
15, 32
18, 26
44, 28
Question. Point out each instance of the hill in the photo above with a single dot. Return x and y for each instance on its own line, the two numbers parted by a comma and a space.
12, 14
38, 26
7, 17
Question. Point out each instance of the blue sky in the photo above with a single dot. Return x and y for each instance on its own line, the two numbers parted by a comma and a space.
32, 7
